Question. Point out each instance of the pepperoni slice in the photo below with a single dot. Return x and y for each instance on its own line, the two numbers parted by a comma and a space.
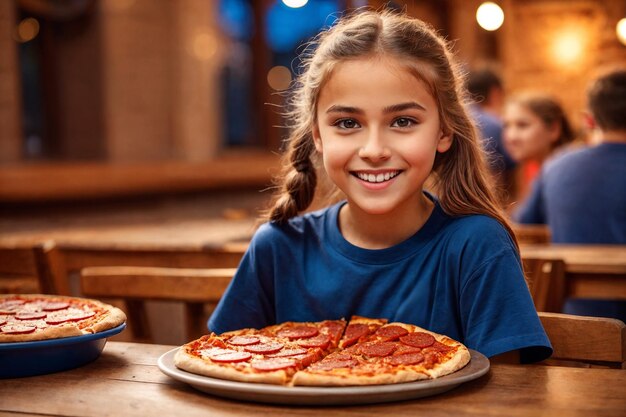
328, 364
354, 332
418, 339
31, 316
55, 306
378, 349
232, 356
388, 333
321, 341
18, 329
273, 364
402, 349
244, 340
213, 351
407, 359
298, 332
265, 348
62, 317
8, 310
3, 320
288, 352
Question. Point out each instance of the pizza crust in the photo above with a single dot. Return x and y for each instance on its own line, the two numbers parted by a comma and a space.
190, 363
110, 318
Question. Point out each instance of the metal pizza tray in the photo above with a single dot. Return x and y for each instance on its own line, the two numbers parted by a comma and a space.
350, 395
47, 356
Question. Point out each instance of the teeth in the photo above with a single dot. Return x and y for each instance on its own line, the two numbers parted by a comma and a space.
377, 178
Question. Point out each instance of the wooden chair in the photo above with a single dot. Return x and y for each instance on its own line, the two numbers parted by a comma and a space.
585, 341
61, 263
20, 268
532, 233
546, 282
195, 288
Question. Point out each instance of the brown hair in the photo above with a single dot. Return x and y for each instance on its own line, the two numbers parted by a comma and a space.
549, 110
460, 175
607, 100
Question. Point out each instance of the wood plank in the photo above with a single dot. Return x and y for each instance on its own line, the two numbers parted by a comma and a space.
584, 338
58, 181
179, 284
126, 381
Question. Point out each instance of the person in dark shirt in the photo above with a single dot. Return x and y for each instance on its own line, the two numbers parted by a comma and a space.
581, 194
487, 94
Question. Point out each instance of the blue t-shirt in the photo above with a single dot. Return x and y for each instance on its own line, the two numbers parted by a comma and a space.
459, 276
581, 196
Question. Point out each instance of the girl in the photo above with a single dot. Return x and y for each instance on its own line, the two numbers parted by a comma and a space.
380, 104
535, 125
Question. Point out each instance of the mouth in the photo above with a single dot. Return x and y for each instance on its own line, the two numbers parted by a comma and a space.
375, 177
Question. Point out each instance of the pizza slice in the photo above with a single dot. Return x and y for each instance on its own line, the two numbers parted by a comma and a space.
270, 355
394, 353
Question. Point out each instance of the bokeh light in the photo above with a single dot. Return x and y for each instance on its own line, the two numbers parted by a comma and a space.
568, 47
490, 16
295, 3
620, 30
279, 78
27, 29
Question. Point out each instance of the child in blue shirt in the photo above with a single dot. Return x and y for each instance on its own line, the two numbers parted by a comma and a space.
380, 109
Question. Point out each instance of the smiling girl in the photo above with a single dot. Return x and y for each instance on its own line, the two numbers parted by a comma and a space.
380, 110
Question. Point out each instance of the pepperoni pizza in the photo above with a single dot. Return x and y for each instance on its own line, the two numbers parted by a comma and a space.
30, 317
328, 353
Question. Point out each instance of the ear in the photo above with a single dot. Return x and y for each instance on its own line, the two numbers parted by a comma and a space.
445, 142
317, 138
588, 121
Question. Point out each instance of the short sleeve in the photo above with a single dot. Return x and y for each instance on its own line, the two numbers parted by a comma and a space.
498, 313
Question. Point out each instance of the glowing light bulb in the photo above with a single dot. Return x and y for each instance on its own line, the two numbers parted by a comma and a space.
294, 4
489, 16
568, 47
620, 30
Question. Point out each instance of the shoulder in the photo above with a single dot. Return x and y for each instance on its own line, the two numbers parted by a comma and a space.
476, 240
477, 228
588, 155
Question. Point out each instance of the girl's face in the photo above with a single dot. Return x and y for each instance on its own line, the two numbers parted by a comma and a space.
378, 131
526, 136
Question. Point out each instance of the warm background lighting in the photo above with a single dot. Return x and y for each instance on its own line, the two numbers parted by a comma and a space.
489, 16
295, 3
568, 47
620, 30
279, 78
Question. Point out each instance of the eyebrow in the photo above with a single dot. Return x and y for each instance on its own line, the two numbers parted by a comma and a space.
389, 109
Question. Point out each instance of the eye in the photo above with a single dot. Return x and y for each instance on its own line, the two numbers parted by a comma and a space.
403, 122
347, 124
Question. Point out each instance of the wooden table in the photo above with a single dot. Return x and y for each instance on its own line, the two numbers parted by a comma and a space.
592, 271
125, 381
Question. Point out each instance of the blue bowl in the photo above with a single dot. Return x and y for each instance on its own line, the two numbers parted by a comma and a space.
48, 356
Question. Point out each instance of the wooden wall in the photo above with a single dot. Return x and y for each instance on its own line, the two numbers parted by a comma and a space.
139, 82
10, 131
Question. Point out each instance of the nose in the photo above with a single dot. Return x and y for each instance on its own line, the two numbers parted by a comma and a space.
375, 148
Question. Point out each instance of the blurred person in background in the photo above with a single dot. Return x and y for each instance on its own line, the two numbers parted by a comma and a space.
487, 94
535, 125
581, 194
